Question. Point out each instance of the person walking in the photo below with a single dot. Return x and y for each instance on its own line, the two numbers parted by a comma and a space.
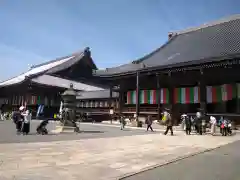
123, 122
26, 122
220, 122
169, 122
183, 123
188, 124
199, 122
224, 127
18, 119
213, 123
229, 127
193, 123
149, 123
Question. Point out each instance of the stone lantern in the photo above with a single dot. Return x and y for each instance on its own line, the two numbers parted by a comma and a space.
68, 119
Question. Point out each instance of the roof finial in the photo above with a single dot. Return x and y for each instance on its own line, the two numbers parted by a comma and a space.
87, 51
170, 35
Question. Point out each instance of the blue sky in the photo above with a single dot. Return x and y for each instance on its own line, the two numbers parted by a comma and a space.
117, 31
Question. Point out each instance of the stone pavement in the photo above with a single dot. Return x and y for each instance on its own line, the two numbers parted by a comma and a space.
89, 131
208, 165
155, 126
100, 158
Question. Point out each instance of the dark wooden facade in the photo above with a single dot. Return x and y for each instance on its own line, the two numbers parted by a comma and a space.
202, 78
211, 76
30, 93
98, 104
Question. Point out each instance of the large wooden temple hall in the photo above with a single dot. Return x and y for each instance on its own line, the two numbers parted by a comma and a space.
197, 67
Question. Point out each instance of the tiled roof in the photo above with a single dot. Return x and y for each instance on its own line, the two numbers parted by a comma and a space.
192, 46
33, 71
49, 67
63, 83
100, 94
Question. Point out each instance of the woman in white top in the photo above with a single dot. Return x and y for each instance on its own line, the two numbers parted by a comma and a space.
213, 123
26, 122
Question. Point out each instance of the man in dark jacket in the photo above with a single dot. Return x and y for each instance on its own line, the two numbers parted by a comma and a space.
17, 119
149, 123
169, 122
199, 121
188, 124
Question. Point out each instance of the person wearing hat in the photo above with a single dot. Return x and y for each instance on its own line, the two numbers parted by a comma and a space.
169, 121
18, 118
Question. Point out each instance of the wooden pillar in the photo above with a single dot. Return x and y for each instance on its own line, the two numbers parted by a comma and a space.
120, 89
238, 97
238, 105
137, 96
171, 90
158, 96
110, 94
110, 101
121, 99
203, 93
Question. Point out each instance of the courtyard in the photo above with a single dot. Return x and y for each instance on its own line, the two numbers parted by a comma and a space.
99, 152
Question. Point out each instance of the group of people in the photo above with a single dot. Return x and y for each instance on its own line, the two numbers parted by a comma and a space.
199, 124
22, 118
167, 118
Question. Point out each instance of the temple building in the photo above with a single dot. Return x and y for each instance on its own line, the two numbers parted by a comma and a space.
195, 68
97, 104
43, 84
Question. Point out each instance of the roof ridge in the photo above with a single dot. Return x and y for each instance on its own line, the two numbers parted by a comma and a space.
209, 24
60, 58
51, 61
